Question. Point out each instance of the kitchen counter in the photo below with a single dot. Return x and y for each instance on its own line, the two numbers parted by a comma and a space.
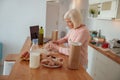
21, 70
107, 53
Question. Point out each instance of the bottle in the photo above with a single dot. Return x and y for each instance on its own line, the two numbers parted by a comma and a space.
99, 34
34, 44
34, 55
40, 37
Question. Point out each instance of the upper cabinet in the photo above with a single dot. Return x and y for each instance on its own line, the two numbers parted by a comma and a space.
94, 1
118, 10
104, 9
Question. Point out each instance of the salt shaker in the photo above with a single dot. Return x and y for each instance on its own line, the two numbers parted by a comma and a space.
74, 57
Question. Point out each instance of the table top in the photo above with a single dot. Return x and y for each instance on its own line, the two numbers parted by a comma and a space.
21, 70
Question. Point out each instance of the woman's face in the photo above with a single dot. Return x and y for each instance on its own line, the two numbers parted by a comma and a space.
69, 23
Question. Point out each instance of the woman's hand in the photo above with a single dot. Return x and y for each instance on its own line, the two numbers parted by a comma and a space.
47, 45
52, 46
56, 42
25, 55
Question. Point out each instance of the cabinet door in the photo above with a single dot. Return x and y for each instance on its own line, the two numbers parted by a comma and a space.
105, 9
91, 63
118, 10
94, 1
105, 0
101, 67
106, 69
108, 9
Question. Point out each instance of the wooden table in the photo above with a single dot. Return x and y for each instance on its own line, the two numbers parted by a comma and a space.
21, 70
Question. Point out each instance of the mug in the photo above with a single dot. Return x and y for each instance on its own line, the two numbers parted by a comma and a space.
105, 45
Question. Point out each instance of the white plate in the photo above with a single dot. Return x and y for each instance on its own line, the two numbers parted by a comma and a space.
52, 66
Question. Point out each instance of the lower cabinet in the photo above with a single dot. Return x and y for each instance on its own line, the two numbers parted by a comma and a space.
101, 67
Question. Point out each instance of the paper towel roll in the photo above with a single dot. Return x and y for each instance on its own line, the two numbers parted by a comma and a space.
34, 59
54, 35
74, 57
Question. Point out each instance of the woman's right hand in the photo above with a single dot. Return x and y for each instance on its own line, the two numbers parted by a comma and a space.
25, 55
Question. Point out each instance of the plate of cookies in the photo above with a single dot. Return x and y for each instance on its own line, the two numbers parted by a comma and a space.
52, 62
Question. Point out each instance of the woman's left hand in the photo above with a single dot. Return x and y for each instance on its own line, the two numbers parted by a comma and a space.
54, 47
51, 46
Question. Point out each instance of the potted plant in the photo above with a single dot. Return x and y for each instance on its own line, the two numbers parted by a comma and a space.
92, 12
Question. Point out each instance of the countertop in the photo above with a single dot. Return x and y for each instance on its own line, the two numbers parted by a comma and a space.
107, 53
21, 70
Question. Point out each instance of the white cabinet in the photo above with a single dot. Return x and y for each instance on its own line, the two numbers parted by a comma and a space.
117, 14
101, 67
109, 9
94, 1
106, 0
97, 1
106, 9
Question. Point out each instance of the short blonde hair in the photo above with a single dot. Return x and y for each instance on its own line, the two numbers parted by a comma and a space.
75, 16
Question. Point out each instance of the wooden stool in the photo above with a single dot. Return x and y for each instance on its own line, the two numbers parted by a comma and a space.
3, 77
9, 62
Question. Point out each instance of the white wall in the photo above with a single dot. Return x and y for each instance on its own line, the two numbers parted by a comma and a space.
64, 6
109, 28
52, 16
15, 18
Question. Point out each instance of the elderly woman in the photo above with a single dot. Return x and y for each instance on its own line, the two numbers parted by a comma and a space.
77, 33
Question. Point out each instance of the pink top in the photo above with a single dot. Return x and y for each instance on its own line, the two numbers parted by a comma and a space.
81, 35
